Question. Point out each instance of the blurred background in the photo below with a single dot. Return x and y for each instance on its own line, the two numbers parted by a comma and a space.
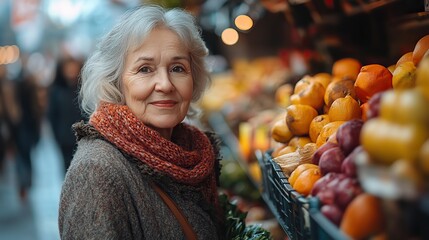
255, 46
42, 47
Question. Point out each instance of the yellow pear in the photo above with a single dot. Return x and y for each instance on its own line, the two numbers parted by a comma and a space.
404, 75
405, 107
387, 141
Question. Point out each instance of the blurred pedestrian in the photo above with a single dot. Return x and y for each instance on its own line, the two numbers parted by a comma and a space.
9, 116
63, 108
32, 100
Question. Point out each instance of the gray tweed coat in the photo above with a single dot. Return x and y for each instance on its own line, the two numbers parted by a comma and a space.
105, 195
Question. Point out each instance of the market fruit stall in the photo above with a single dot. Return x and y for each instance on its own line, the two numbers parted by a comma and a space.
348, 157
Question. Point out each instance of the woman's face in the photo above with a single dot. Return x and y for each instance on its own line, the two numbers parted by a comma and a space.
157, 81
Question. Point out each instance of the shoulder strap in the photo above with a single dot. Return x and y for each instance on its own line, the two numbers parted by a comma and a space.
186, 226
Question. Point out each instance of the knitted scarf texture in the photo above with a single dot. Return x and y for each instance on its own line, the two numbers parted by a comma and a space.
187, 159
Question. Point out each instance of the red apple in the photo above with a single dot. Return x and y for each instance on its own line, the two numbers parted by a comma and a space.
329, 181
321, 183
347, 189
348, 167
331, 161
333, 213
321, 150
326, 196
348, 135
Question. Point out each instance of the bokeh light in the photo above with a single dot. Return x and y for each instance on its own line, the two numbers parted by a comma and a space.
229, 36
9, 54
243, 22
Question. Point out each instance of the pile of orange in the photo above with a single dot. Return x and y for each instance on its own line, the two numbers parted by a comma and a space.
298, 118
302, 179
346, 68
316, 126
344, 109
339, 89
372, 79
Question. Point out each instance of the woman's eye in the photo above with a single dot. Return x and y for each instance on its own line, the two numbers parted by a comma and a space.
178, 69
145, 70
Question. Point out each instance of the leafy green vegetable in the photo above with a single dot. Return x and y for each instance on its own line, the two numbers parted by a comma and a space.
235, 224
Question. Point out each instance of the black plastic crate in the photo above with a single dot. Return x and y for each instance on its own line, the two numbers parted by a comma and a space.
321, 227
290, 208
270, 191
301, 215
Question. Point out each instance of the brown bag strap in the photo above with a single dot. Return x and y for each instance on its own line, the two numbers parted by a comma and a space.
186, 226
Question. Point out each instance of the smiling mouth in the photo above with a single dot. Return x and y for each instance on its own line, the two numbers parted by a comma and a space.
164, 103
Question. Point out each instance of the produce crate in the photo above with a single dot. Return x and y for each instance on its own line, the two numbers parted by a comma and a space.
321, 227
300, 217
290, 208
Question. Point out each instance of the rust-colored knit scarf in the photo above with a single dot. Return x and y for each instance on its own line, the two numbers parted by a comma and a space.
188, 158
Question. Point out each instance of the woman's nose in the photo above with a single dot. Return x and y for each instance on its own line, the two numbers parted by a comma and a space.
163, 82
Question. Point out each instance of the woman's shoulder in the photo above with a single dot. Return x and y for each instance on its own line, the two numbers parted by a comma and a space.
96, 162
94, 150
97, 151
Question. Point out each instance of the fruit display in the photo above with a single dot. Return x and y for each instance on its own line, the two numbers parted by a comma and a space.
352, 143
364, 143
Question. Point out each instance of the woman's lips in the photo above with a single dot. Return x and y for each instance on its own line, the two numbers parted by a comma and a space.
164, 103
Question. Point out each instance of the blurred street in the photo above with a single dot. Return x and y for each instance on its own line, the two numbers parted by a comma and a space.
35, 219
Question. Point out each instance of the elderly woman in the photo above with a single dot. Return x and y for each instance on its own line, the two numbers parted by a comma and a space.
140, 171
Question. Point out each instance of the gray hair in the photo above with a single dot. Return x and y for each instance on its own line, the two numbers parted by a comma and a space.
101, 74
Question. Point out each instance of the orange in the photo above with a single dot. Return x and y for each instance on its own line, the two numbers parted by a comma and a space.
405, 58
280, 131
316, 126
346, 68
298, 170
312, 95
344, 109
372, 79
305, 181
286, 149
338, 89
327, 131
298, 118
302, 84
420, 49
323, 78
299, 141
363, 217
